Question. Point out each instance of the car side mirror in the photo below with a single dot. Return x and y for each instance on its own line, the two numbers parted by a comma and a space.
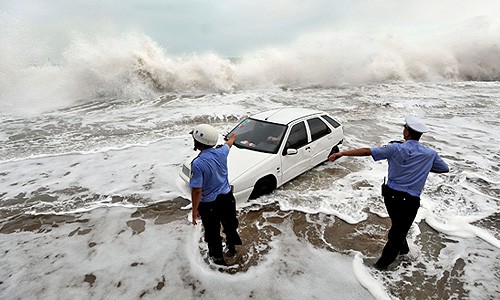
291, 151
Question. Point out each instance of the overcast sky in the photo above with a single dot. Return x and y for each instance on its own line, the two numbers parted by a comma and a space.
232, 27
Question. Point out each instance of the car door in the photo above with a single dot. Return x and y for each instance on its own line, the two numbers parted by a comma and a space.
293, 165
321, 140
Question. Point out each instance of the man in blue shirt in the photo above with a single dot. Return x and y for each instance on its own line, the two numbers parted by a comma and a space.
409, 165
211, 194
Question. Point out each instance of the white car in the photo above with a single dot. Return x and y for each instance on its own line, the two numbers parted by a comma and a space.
275, 146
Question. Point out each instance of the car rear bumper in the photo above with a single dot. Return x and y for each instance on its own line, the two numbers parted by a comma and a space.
183, 185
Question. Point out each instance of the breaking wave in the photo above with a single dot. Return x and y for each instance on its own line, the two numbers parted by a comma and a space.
116, 64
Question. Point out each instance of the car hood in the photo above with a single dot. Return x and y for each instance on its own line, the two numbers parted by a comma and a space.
242, 160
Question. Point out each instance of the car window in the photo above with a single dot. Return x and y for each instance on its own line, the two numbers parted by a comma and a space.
318, 128
297, 137
258, 135
334, 123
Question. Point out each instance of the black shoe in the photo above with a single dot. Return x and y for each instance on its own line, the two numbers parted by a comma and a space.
219, 261
379, 267
404, 251
231, 250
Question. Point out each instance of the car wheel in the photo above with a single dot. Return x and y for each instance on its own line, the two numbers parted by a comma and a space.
335, 149
263, 186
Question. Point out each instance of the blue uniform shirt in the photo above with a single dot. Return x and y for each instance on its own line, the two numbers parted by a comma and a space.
409, 165
209, 172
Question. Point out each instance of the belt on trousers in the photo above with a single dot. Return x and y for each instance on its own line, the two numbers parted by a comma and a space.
219, 197
388, 192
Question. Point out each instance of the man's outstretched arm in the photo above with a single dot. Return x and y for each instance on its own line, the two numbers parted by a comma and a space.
353, 152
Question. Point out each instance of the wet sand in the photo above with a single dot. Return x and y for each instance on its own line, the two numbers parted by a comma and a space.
261, 224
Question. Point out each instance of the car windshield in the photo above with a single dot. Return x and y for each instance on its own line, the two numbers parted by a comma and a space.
258, 135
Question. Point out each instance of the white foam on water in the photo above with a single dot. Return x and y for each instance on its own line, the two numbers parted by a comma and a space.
367, 280
55, 263
144, 173
461, 227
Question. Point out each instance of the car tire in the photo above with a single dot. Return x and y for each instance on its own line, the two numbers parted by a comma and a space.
335, 149
263, 186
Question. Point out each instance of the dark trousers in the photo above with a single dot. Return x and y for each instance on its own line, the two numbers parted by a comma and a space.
402, 208
213, 214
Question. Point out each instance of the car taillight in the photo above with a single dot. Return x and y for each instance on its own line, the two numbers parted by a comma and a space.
186, 170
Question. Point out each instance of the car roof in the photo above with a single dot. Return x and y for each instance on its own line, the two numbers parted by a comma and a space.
285, 115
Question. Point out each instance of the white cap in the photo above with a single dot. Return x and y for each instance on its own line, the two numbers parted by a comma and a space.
416, 124
205, 134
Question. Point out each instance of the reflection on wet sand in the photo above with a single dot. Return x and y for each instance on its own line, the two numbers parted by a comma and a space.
261, 224
367, 237
38, 223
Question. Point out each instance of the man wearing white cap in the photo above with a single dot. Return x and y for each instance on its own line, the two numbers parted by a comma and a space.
211, 194
409, 165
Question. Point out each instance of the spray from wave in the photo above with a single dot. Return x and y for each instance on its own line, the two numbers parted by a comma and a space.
113, 64
470, 52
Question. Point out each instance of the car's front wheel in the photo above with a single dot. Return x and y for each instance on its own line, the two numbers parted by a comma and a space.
263, 186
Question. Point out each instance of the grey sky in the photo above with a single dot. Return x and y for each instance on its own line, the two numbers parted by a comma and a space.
232, 27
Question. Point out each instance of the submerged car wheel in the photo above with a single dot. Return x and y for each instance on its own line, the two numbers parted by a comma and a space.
335, 149
263, 186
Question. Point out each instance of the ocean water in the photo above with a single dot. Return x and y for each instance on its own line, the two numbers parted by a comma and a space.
91, 147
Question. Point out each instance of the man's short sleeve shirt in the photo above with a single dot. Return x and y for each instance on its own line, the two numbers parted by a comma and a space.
409, 165
209, 172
